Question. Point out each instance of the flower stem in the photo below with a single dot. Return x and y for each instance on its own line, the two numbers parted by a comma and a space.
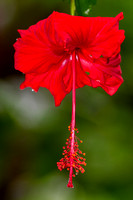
73, 120
72, 7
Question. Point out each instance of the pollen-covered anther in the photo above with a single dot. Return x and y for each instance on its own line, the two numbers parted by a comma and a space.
77, 160
69, 128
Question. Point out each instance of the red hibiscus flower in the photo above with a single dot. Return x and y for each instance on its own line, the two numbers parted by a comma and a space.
63, 53
44, 53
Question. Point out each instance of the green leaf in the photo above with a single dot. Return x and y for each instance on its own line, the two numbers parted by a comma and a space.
83, 7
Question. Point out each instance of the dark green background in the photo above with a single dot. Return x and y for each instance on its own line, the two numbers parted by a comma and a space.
33, 130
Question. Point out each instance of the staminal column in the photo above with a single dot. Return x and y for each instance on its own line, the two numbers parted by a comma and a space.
70, 184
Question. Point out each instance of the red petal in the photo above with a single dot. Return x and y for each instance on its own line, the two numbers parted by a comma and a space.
98, 35
105, 73
34, 51
108, 38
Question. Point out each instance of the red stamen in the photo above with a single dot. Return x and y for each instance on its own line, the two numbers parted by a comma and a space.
76, 157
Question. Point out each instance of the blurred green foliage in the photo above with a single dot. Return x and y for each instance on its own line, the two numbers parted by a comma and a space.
33, 131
